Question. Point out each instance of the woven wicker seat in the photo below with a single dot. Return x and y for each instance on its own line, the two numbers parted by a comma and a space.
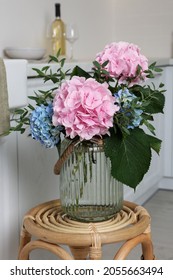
52, 228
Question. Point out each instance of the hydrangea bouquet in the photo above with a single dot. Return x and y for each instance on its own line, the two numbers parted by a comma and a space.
111, 103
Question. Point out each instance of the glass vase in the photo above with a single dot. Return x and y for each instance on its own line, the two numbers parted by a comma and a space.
88, 192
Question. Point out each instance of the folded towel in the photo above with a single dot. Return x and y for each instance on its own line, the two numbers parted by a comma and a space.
4, 107
16, 74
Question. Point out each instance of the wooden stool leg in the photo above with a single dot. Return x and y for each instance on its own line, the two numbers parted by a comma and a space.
25, 238
39, 244
147, 248
95, 253
95, 250
80, 253
126, 248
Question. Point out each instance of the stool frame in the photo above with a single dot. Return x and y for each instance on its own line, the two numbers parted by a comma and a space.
52, 228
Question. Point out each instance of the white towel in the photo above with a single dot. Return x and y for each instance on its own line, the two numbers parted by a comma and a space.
4, 106
16, 72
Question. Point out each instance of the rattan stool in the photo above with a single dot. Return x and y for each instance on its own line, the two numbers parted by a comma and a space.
52, 228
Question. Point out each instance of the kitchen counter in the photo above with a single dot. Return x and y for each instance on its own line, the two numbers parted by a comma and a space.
86, 65
162, 61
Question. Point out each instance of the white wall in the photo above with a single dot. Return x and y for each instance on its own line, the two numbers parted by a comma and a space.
148, 23
24, 23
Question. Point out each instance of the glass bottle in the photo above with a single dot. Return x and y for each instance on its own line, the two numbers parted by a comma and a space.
58, 31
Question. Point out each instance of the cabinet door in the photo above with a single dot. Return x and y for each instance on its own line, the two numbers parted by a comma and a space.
9, 230
168, 123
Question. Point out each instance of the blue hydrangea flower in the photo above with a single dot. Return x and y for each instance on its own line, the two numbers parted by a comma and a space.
136, 119
41, 126
129, 107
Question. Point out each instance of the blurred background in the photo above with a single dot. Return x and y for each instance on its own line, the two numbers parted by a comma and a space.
146, 23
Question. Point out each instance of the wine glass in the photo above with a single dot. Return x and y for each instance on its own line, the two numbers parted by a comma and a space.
71, 35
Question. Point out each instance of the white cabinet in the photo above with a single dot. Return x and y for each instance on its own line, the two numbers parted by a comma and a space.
168, 123
167, 179
9, 204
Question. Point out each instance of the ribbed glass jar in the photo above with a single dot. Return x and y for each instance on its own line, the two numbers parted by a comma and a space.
88, 192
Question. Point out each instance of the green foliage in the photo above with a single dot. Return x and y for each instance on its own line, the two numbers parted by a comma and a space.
152, 99
129, 150
100, 74
21, 118
130, 156
77, 71
151, 69
46, 73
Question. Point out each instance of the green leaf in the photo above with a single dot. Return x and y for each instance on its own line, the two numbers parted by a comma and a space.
33, 97
161, 85
156, 104
155, 143
53, 58
105, 63
151, 66
39, 72
77, 71
138, 71
62, 62
150, 75
97, 64
147, 117
31, 107
19, 111
149, 126
45, 68
130, 156
158, 70
105, 72
152, 100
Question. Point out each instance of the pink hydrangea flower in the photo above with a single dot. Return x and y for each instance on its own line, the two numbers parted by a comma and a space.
124, 59
84, 107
